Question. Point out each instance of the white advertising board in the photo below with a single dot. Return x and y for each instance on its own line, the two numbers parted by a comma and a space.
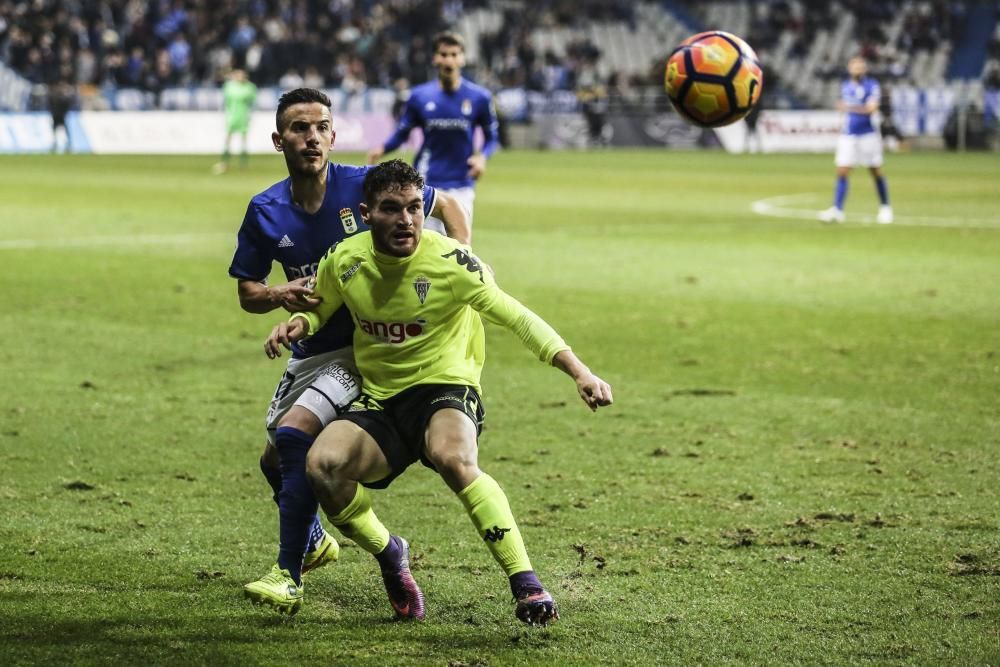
787, 132
174, 132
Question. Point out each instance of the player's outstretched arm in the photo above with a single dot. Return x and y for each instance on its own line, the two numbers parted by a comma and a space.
283, 335
454, 217
257, 297
594, 391
409, 120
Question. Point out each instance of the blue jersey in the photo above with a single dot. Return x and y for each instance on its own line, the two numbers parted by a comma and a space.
858, 94
448, 120
276, 229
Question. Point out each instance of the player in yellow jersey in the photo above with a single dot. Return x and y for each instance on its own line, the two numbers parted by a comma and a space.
419, 343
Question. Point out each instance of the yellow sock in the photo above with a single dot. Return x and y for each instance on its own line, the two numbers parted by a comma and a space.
358, 522
489, 510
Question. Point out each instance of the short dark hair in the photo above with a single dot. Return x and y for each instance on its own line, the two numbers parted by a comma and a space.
448, 38
388, 176
300, 96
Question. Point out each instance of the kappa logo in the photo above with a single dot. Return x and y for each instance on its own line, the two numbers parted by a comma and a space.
348, 221
285, 242
422, 285
463, 258
495, 534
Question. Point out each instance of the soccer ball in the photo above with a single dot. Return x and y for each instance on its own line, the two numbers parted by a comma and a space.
713, 78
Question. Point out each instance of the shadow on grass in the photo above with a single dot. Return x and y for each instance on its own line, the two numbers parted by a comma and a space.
235, 637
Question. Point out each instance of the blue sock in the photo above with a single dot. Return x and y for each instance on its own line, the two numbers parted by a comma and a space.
296, 503
840, 194
883, 190
273, 477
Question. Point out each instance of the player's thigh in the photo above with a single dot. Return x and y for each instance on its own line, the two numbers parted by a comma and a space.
302, 419
870, 150
451, 439
447, 420
347, 451
465, 198
847, 151
324, 385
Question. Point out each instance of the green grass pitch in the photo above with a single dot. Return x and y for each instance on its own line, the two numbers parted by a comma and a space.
800, 466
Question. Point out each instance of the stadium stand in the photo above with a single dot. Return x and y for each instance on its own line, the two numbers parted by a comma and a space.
543, 46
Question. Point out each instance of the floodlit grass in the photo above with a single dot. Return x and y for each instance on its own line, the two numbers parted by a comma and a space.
800, 466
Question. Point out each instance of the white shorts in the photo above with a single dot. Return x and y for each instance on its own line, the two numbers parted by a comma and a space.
324, 384
859, 150
465, 197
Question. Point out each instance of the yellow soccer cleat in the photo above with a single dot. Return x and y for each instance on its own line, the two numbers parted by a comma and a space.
325, 552
276, 589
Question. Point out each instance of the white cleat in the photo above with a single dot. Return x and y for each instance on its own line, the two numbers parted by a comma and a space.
884, 216
832, 214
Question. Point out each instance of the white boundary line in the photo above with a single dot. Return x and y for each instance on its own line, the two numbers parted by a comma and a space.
129, 240
784, 206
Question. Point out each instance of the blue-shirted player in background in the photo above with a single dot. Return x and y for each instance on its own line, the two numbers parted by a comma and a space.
295, 222
860, 145
447, 111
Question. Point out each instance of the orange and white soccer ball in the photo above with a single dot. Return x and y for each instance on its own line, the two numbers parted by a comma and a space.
713, 78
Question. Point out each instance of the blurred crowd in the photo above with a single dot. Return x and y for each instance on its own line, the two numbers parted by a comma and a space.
133, 43
352, 44
333, 43
925, 26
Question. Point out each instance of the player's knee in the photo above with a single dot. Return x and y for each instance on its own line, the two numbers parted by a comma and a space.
329, 458
453, 460
322, 462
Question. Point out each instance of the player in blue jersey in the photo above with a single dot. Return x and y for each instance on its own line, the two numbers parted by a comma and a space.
448, 111
294, 222
860, 144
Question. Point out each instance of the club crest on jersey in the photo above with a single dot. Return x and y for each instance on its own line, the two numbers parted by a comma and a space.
470, 263
348, 221
422, 285
466, 107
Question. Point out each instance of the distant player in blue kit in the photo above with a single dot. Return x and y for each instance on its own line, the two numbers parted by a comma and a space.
448, 111
860, 145
294, 222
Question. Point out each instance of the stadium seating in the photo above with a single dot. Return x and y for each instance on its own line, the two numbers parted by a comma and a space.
537, 45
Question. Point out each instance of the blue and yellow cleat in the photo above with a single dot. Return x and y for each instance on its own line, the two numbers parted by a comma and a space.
276, 589
537, 608
325, 552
